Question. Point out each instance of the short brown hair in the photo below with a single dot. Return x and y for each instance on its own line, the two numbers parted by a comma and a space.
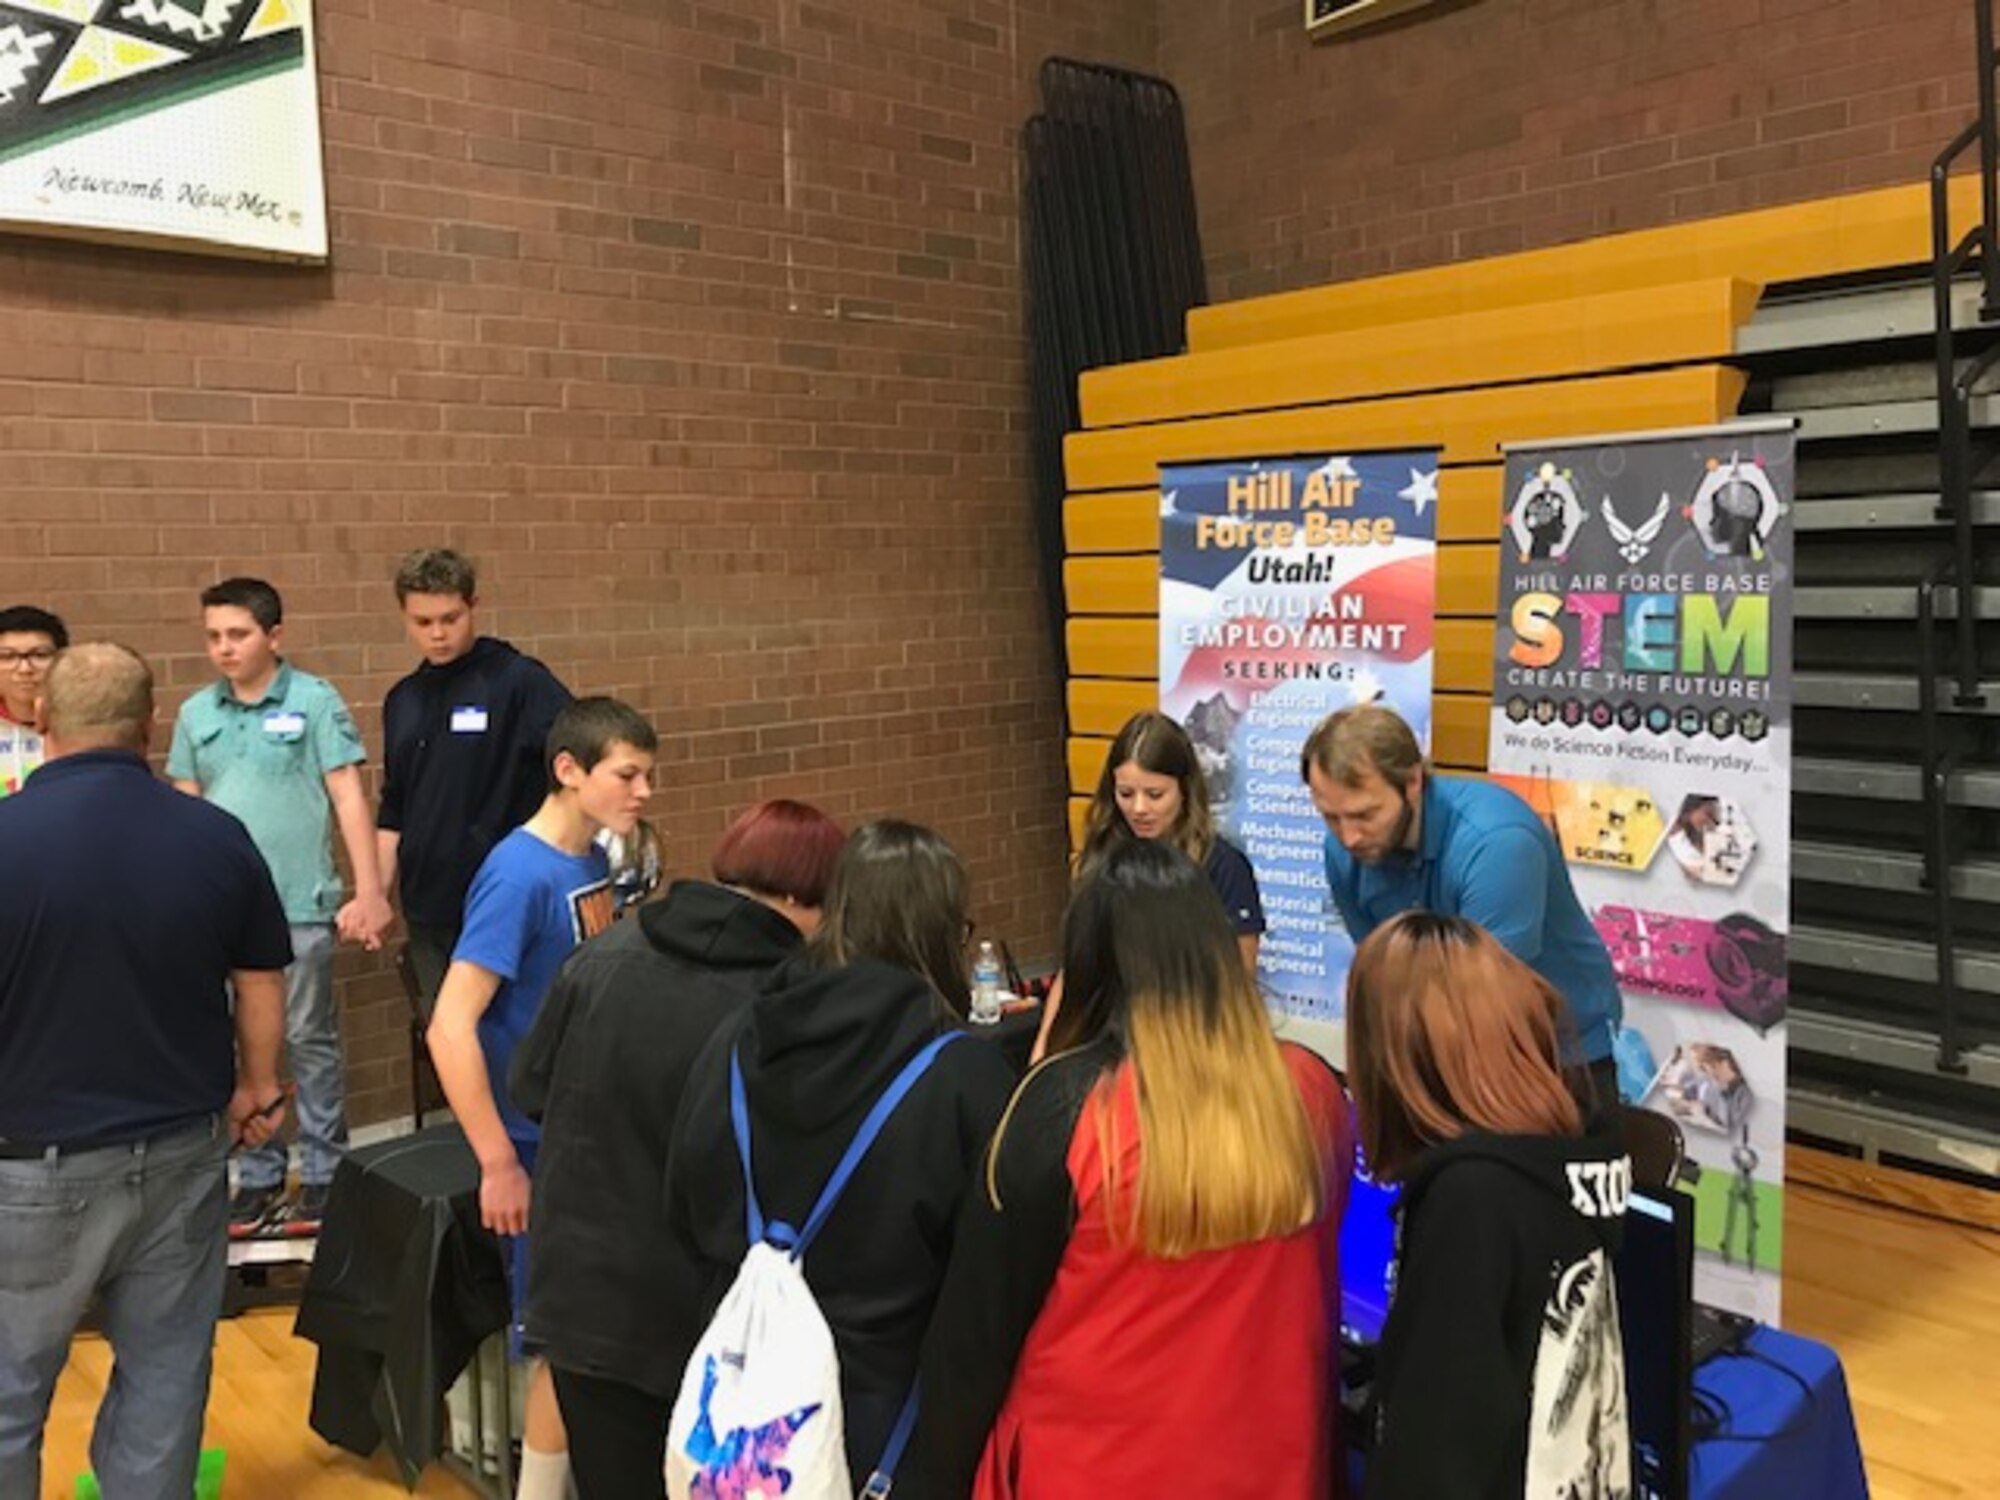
1368, 737
99, 693
1448, 1032
436, 570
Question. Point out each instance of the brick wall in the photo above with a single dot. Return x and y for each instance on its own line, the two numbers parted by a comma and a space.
1494, 125
697, 324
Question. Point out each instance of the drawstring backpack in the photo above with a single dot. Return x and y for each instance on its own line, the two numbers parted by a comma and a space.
759, 1406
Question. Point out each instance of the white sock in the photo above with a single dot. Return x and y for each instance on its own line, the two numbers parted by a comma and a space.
544, 1476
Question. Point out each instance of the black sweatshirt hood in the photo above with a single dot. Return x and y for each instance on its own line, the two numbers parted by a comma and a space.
1589, 1174
820, 1041
715, 928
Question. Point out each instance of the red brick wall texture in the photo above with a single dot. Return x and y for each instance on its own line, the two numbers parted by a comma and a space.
698, 323
1484, 126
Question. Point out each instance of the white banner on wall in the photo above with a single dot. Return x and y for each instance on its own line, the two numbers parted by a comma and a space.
184, 124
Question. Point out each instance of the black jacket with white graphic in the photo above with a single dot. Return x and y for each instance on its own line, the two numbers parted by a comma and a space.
1502, 1373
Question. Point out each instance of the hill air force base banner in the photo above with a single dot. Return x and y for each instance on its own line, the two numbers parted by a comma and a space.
1642, 706
1290, 587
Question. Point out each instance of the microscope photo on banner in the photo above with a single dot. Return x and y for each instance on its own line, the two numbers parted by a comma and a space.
1290, 587
1642, 707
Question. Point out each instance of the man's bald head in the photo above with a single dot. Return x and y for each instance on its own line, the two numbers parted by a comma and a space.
98, 696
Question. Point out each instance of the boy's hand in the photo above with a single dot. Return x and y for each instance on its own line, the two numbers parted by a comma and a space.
365, 920
503, 1197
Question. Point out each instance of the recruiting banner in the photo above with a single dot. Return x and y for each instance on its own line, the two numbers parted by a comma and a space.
1290, 587
1642, 706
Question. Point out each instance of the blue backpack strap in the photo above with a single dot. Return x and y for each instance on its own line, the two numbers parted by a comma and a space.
884, 1478
739, 1118
871, 1127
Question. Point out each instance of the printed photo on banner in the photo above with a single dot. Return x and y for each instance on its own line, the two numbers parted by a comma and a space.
1642, 707
1291, 587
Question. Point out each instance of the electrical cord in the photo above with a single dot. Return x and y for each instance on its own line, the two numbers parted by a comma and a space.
1711, 1413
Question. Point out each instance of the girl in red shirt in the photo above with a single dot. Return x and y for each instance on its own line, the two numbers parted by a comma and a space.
1143, 1299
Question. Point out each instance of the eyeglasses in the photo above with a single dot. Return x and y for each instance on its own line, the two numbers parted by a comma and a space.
34, 656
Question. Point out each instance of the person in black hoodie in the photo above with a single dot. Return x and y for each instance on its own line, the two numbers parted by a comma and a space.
602, 1070
1501, 1372
464, 758
882, 978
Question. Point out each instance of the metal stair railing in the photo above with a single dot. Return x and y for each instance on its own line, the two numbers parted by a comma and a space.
1979, 245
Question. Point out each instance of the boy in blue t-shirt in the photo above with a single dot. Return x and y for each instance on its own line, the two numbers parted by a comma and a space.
544, 889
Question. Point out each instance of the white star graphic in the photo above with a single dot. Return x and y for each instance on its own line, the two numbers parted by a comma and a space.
1421, 490
1167, 502
1336, 469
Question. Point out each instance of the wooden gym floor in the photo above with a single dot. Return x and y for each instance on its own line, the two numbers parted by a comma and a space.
1912, 1303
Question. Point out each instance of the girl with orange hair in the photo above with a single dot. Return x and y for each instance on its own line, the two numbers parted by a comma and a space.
1501, 1372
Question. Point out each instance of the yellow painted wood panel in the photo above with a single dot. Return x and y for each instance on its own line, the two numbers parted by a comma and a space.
1659, 325
1102, 705
1129, 520
1458, 730
1112, 585
1469, 503
1086, 762
1470, 425
1463, 662
1833, 236
1120, 521
1115, 647
1469, 580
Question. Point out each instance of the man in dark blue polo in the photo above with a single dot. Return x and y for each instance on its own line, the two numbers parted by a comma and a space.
124, 1079
1401, 836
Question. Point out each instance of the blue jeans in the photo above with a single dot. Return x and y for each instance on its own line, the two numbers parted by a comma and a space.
312, 1040
145, 1228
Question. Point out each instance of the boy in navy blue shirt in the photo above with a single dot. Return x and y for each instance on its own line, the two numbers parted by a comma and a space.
544, 889
462, 742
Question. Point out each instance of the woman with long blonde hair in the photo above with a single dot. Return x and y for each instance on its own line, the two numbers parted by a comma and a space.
1501, 1370
1143, 1292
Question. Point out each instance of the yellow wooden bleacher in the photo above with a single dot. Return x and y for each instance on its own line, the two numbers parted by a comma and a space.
1629, 332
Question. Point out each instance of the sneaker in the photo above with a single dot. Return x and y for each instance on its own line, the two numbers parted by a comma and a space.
251, 1207
311, 1206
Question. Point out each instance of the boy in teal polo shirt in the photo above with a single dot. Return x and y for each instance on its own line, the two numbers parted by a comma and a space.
277, 748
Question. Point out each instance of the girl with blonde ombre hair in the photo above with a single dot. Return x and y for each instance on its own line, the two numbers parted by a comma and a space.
1501, 1371
1142, 1299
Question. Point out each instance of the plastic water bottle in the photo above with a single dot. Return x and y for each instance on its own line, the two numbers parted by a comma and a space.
986, 985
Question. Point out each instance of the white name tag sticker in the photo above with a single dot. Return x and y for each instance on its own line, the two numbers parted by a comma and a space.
284, 725
468, 720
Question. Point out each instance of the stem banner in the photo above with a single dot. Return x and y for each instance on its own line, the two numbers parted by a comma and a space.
1642, 707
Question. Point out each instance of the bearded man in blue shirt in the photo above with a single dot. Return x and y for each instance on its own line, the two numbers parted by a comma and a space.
1401, 837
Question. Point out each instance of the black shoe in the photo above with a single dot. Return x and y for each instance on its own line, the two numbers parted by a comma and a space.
311, 1207
250, 1208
